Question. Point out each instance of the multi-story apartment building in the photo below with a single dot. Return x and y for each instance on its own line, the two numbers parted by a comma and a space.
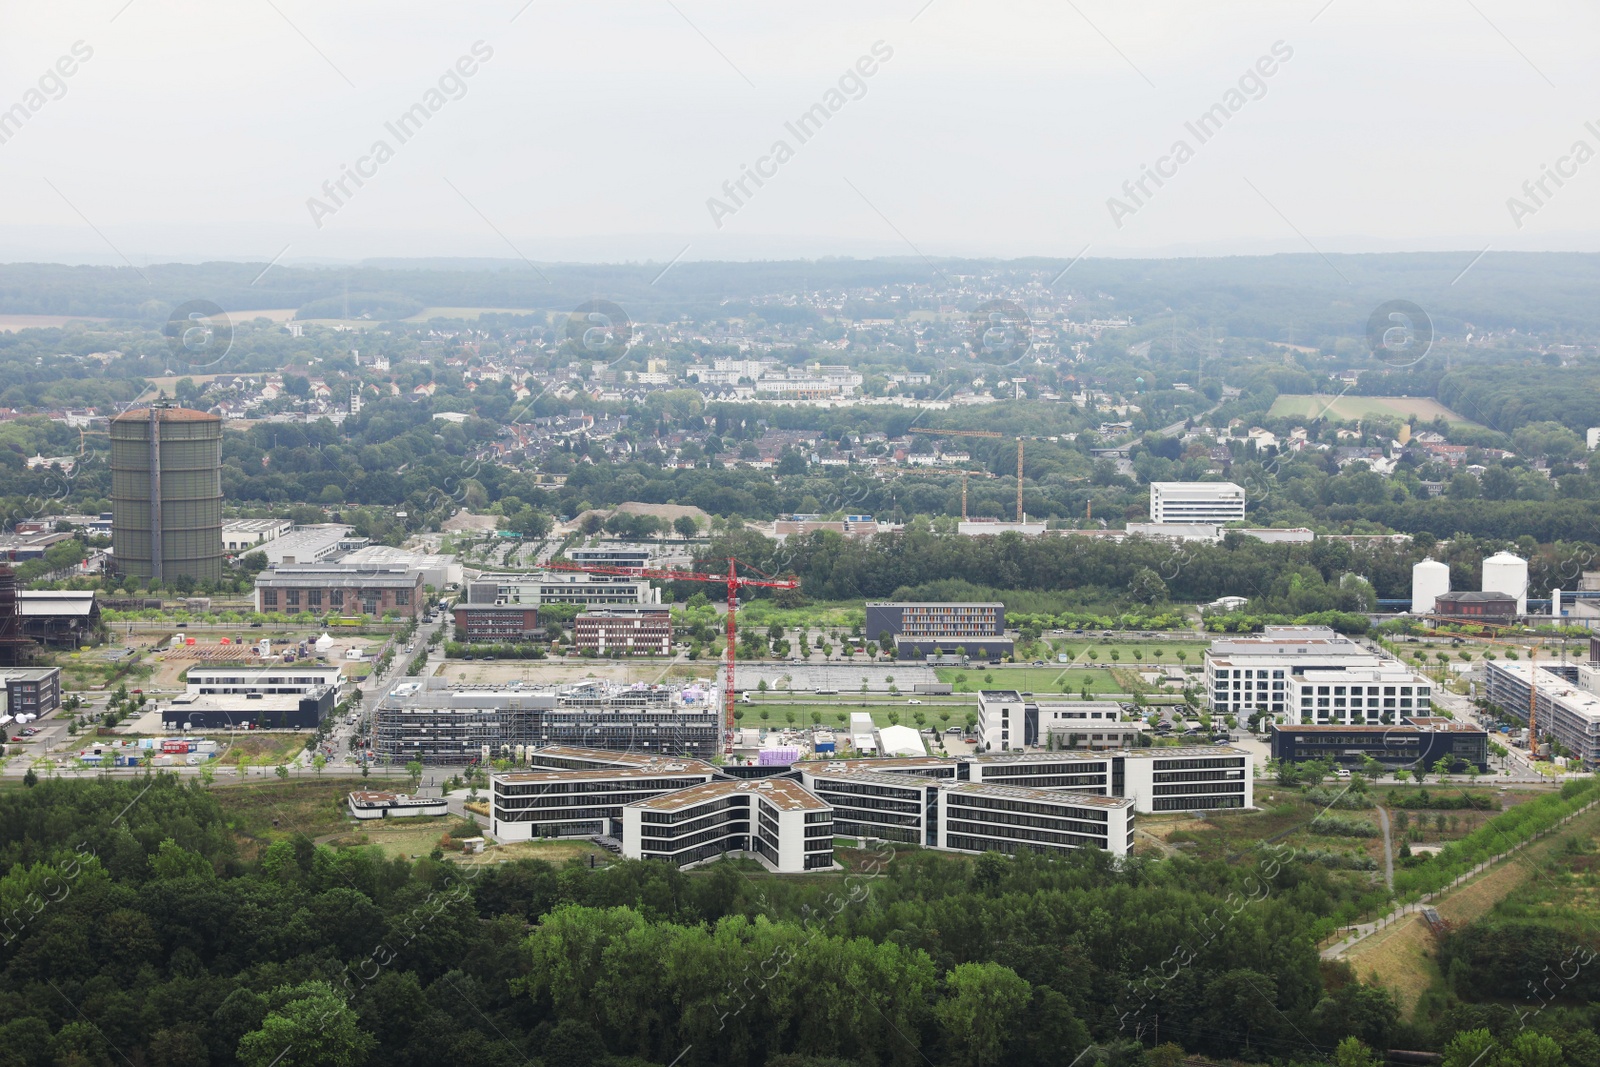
624, 630
1568, 707
921, 629
1196, 502
1310, 672
340, 588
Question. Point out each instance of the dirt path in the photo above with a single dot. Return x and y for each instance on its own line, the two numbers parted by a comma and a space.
1388, 849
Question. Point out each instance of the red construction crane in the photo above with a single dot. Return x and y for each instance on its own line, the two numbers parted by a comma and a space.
735, 583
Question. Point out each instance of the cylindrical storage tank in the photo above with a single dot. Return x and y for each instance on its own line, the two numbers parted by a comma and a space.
1505, 573
169, 494
1428, 579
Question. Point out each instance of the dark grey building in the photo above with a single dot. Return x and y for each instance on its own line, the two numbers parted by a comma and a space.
438, 723
255, 711
924, 629
1418, 742
32, 690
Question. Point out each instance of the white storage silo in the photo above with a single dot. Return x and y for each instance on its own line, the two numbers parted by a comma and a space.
1428, 579
1505, 573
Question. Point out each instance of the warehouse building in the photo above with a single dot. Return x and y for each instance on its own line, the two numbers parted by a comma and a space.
243, 535
62, 618
973, 629
310, 544
624, 630
249, 711
1416, 742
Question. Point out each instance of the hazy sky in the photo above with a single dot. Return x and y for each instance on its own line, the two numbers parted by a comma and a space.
599, 131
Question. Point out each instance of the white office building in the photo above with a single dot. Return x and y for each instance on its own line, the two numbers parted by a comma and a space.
1009, 721
1196, 502
780, 824
978, 817
1385, 691
1310, 670
559, 587
1192, 778
553, 803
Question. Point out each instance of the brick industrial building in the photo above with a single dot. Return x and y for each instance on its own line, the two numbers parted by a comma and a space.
341, 588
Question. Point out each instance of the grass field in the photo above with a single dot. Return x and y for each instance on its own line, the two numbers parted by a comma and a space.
1353, 408
1057, 679
262, 811
1401, 957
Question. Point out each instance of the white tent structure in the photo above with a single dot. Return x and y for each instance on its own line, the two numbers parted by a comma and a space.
901, 741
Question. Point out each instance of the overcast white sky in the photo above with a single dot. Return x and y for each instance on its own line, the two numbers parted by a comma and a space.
598, 131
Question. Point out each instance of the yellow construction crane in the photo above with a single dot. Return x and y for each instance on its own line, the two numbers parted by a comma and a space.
979, 433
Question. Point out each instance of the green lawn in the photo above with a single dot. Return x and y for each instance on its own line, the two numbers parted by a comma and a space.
879, 710
1039, 680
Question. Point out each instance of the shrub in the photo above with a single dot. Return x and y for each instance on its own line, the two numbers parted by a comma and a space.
1342, 826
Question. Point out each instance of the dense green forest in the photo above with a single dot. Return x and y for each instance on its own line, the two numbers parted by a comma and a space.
138, 931
1290, 578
